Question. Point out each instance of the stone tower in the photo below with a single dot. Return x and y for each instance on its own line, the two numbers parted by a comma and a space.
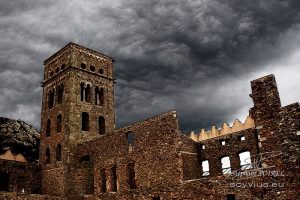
78, 105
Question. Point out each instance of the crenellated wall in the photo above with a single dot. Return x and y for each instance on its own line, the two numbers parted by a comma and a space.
224, 130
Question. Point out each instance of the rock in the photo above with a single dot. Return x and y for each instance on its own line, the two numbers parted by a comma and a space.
19, 137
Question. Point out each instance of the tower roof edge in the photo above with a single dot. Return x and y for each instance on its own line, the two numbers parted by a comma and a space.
72, 44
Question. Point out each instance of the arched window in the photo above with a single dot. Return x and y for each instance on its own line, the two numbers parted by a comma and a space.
130, 137
245, 160
85, 121
99, 96
59, 123
48, 156
48, 128
58, 152
103, 180
226, 168
88, 93
96, 96
60, 91
101, 122
51, 99
82, 91
114, 179
205, 168
131, 176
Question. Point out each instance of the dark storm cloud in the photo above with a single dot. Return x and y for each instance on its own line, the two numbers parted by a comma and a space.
190, 56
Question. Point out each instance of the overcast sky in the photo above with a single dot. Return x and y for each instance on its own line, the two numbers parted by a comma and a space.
195, 57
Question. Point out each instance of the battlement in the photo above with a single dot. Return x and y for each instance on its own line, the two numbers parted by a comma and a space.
224, 130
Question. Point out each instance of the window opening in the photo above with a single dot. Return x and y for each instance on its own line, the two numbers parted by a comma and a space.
226, 168
131, 176
245, 160
58, 152
101, 122
85, 121
205, 168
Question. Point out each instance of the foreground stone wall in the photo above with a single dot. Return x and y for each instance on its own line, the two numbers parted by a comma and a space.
19, 177
153, 151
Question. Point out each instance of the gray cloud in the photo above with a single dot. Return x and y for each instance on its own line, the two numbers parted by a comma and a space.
196, 57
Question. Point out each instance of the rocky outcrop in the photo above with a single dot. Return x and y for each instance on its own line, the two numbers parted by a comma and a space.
19, 138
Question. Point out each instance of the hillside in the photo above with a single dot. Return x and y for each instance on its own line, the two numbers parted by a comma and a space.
19, 137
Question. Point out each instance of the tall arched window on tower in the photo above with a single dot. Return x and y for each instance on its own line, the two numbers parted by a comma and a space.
101, 122
96, 95
131, 176
51, 99
48, 128
85, 121
82, 91
59, 123
60, 91
48, 156
88, 93
99, 96
58, 152
226, 167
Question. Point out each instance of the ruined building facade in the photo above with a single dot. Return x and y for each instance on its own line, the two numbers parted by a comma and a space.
83, 156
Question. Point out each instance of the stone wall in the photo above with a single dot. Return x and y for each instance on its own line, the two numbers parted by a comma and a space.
19, 177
